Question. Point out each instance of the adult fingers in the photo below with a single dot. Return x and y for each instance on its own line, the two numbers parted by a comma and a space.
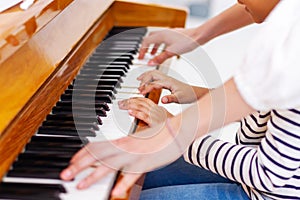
76, 167
142, 52
160, 58
125, 183
154, 49
96, 175
147, 41
108, 165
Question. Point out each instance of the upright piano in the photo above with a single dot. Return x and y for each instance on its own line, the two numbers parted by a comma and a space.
42, 51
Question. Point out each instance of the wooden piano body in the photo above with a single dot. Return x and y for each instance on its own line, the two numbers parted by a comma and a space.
42, 49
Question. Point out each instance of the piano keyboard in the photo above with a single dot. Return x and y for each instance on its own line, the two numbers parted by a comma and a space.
87, 111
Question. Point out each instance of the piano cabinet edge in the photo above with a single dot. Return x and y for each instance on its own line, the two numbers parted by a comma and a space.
127, 13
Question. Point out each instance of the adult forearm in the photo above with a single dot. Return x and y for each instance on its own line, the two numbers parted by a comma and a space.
231, 19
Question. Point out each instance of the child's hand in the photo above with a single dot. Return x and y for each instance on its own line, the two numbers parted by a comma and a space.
180, 92
145, 110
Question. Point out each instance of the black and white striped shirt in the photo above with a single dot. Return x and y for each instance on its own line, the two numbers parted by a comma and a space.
265, 158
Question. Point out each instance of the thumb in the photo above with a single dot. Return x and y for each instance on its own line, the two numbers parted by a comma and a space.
169, 99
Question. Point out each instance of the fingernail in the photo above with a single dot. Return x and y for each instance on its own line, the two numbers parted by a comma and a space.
81, 185
67, 174
130, 112
164, 100
151, 62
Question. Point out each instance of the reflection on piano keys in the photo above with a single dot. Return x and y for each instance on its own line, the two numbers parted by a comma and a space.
40, 70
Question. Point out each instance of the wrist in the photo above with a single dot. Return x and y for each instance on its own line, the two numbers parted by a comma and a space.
173, 134
200, 91
201, 34
182, 131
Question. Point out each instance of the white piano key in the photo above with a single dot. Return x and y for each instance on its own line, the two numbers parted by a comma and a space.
118, 123
135, 71
99, 190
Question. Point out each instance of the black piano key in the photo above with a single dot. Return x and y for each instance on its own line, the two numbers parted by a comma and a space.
95, 82
87, 97
90, 92
103, 105
127, 56
124, 49
81, 119
128, 30
71, 124
55, 132
93, 74
55, 144
60, 155
130, 55
35, 172
24, 164
116, 44
102, 63
110, 60
93, 87
100, 72
124, 68
35, 146
80, 111
29, 191
25, 186
93, 66
62, 128
83, 107
30, 155
124, 37
99, 120
73, 140
117, 50
126, 42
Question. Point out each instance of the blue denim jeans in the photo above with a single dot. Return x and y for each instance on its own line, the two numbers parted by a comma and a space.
184, 181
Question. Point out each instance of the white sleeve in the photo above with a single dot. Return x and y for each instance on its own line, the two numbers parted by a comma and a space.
269, 77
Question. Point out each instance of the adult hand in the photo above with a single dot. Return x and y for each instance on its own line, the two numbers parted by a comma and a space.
177, 41
145, 110
133, 155
180, 92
